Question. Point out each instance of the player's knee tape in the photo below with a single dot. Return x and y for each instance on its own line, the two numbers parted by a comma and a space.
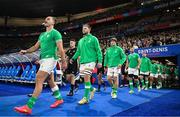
77, 77
88, 72
82, 74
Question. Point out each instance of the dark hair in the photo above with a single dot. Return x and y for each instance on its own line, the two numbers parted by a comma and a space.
87, 25
73, 40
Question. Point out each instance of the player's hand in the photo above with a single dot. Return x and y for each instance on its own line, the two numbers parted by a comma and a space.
138, 67
126, 68
23, 52
105, 69
119, 66
37, 62
99, 65
70, 61
64, 65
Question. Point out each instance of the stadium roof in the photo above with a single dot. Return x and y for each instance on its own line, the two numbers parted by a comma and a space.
42, 8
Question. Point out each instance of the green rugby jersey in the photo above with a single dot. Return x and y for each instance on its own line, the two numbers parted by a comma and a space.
145, 65
133, 60
48, 47
154, 68
114, 56
88, 49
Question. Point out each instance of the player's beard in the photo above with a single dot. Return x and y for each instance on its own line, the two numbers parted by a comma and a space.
85, 33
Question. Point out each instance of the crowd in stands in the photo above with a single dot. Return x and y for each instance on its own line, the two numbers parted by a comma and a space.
137, 25
150, 39
133, 31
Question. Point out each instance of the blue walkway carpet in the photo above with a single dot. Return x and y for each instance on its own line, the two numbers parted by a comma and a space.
165, 105
101, 105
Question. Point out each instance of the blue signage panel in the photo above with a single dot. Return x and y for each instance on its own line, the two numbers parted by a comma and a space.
161, 51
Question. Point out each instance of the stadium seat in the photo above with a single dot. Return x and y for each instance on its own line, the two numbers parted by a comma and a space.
16, 72
24, 74
1, 71
8, 73
30, 77
4, 72
12, 71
